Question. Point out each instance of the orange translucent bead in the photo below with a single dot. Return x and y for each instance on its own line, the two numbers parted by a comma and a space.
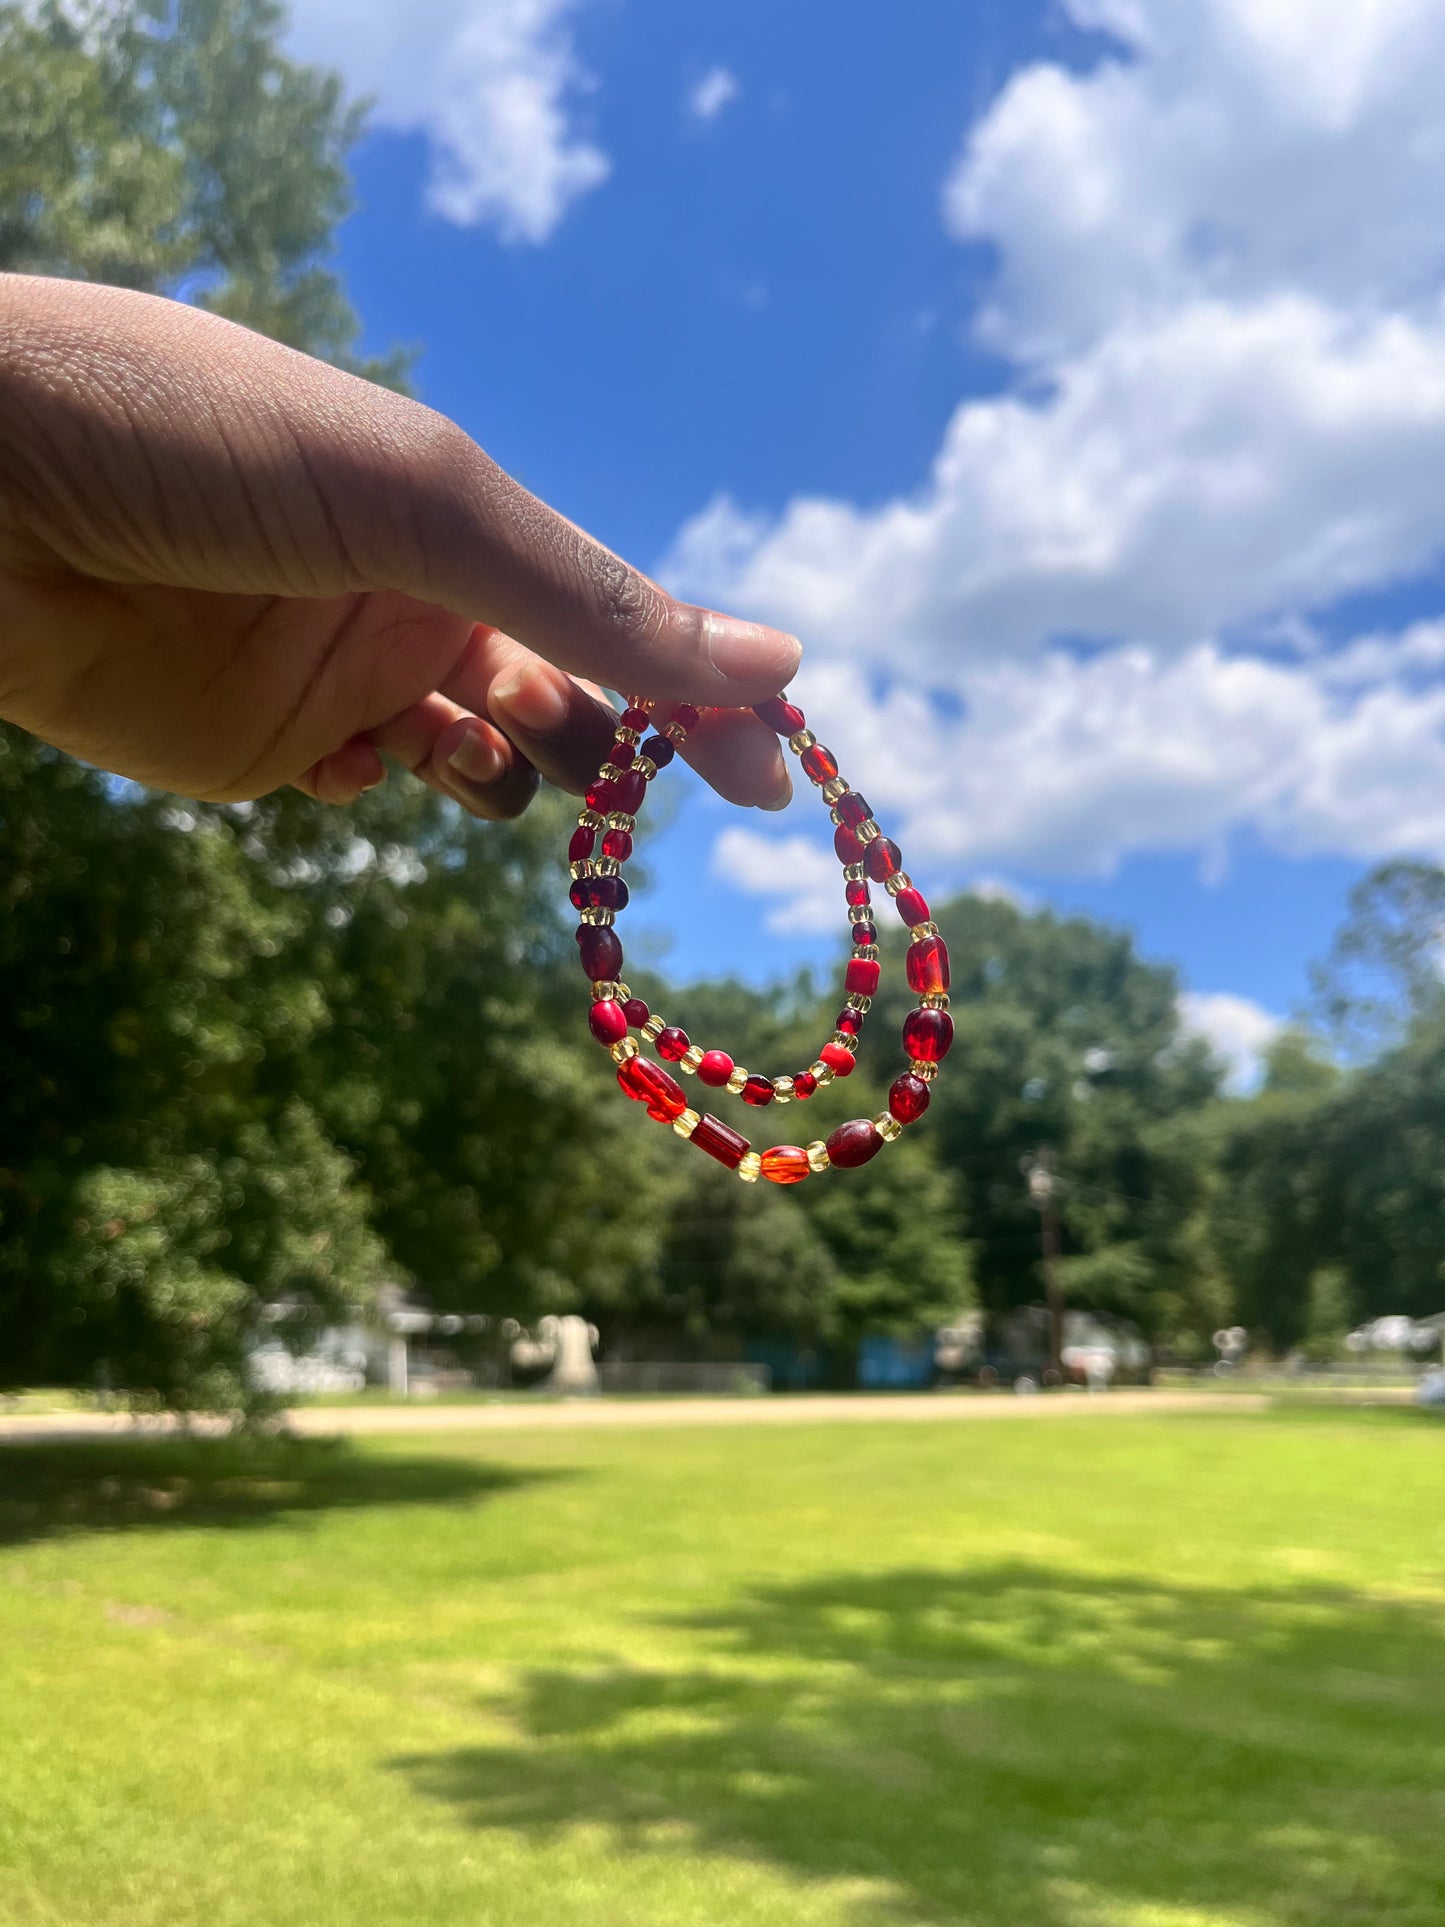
785, 1163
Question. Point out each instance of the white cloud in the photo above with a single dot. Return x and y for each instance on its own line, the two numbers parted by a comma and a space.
717, 89
1237, 1029
792, 868
490, 82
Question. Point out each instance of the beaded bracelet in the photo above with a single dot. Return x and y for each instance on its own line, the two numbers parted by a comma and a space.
599, 891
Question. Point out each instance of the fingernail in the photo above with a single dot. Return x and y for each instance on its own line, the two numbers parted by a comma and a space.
750, 652
475, 759
536, 702
781, 799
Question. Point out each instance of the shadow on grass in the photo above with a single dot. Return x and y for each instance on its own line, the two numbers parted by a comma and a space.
153, 1484
1012, 1747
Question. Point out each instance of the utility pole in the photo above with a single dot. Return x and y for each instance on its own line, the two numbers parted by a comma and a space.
1043, 1190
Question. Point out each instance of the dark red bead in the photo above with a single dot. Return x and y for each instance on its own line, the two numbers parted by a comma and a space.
584, 841
853, 809
686, 715
660, 750
780, 715
838, 1058
715, 1069
599, 794
601, 950
758, 1090
804, 1084
608, 1022
579, 893
633, 719
882, 859
849, 1021
912, 906
648, 1083
819, 763
928, 1035
673, 1044
908, 1097
621, 754
847, 846
853, 1144
608, 893
865, 933
861, 976
720, 1141
618, 845
637, 1012
629, 786
927, 965
855, 893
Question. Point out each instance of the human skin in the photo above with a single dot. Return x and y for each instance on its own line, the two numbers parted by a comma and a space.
226, 567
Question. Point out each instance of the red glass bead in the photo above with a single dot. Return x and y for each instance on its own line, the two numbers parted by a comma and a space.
928, 1035
607, 1021
686, 715
660, 750
720, 1141
819, 763
758, 1090
785, 1164
780, 715
608, 893
846, 845
856, 893
908, 1097
838, 1058
648, 1083
715, 1069
927, 965
601, 950
633, 719
621, 754
853, 809
882, 859
618, 845
865, 933
579, 893
598, 796
629, 786
912, 906
849, 1021
637, 1012
673, 1044
861, 976
853, 1144
583, 843
804, 1084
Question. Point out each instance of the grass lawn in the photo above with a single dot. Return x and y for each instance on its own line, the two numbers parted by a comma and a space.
1160, 1671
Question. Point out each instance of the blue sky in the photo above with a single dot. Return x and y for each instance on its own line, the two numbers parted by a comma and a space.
1071, 378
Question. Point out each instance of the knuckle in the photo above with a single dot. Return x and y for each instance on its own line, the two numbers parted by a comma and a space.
631, 606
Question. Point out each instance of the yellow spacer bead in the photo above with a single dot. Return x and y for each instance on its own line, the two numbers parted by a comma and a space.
934, 1000
803, 739
590, 819
624, 1048
783, 1090
823, 1073
645, 767
867, 830
860, 913
867, 952
605, 990
750, 1169
834, 788
690, 1058
633, 736
605, 866
853, 873
686, 1122
620, 820
818, 1159
654, 1028
857, 1001
887, 1126
603, 917
893, 884
644, 703
582, 868
926, 1071
675, 733
842, 1037
737, 1079
922, 930
623, 993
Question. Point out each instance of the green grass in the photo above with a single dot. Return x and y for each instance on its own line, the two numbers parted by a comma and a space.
1137, 1672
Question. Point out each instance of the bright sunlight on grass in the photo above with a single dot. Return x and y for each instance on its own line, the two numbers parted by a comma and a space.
1155, 1672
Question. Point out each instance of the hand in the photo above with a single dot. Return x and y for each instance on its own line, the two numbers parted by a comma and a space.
225, 567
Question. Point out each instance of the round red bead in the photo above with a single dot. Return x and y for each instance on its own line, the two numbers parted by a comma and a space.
673, 1044
618, 845
855, 892
804, 1084
864, 933
715, 1069
838, 1058
780, 715
882, 859
853, 809
607, 1021
819, 763
758, 1090
629, 786
849, 1021
601, 950
637, 1012
598, 796
927, 965
621, 754
633, 719
785, 1164
846, 845
908, 1097
608, 893
686, 715
579, 893
862, 974
853, 1144
912, 906
584, 841
928, 1035
660, 750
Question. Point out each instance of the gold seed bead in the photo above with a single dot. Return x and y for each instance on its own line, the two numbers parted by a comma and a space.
822, 1073
887, 1126
686, 1122
605, 772
842, 1037
645, 768
804, 739
623, 993
902, 881
590, 819
605, 866
853, 873
633, 736
654, 1028
783, 1090
675, 733
926, 1071
866, 952
834, 788
834, 818
860, 913
583, 868
818, 1155
934, 1000
737, 1079
644, 703
624, 1048
690, 1059
605, 990
750, 1169
922, 930
857, 1001
867, 830
603, 917
620, 820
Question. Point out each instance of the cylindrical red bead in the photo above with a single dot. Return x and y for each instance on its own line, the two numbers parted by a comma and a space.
599, 794
861, 976
629, 786
618, 845
853, 1144
715, 1069
758, 1090
584, 841
912, 906
838, 1058
621, 754
908, 1097
928, 1035
686, 715
846, 845
882, 859
720, 1141
785, 1164
637, 1012
781, 715
673, 1044
819, 763
607, 1021
927, 965
864, 933
633, 719
856, 892
804, 1084
849, 1021
648, 1083
660, 750
601, 951
853, 809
